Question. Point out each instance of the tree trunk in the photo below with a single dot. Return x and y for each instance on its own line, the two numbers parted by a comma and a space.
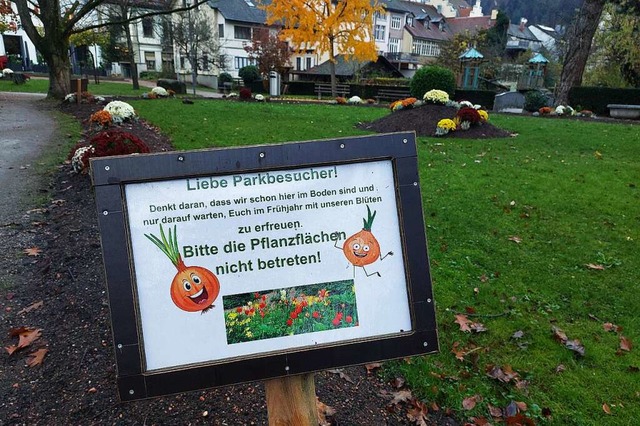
59, 75
579, 38
132, 58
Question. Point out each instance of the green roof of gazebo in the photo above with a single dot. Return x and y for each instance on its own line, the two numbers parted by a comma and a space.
538, 59
471, 53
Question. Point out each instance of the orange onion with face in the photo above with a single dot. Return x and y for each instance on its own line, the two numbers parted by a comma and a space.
193, 288
362, 248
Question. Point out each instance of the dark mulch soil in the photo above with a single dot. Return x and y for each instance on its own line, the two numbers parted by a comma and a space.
75, 384
423, 121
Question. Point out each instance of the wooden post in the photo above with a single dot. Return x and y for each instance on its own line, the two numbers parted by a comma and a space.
291, 401
78, 89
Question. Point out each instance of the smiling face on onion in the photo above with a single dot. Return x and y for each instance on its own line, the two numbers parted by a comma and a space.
194, 289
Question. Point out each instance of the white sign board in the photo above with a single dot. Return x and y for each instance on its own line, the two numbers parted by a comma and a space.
245, 264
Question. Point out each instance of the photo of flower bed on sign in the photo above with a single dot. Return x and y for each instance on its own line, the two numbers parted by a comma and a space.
290, 311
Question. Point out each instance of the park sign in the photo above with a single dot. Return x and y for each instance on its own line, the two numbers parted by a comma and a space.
231, 265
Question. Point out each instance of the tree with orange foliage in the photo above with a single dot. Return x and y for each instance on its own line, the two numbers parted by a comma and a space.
328, 26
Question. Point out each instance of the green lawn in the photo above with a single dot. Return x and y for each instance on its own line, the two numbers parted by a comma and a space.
512, 224
38, 85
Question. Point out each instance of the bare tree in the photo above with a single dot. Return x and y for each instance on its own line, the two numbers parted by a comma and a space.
194, 36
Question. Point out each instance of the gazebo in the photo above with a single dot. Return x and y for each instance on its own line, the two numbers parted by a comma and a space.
537, 71
470, 62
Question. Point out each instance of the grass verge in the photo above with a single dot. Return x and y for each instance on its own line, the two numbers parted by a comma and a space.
526, 234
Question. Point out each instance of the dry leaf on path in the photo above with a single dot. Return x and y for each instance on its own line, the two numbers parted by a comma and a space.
372, 366
401, 396
340, 372
32, 251
26, 337
418, 414
324, 411
31, 307
36, 357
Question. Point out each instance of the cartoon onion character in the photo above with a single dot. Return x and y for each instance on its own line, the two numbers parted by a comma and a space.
194, 288
362, 248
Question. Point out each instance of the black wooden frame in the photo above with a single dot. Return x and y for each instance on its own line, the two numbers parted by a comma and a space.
111, 174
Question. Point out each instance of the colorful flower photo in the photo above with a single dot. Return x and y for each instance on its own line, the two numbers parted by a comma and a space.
290, 311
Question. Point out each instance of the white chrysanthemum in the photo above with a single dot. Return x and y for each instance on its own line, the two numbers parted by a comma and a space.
71, 97
7, 71
355, 100
120, 111
259, 97
466, 104
76, 161
160, 91
560, 110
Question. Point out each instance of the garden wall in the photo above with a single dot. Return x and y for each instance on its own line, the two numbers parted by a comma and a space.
596, 99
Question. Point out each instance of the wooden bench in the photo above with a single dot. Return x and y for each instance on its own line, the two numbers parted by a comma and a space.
325, 89
393, 94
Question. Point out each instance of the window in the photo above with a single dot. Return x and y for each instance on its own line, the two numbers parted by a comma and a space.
394, 45
221, 30
243, 62
147, 27
396, 22
309, 63
299, 64
380, 31
410, 21
425, 48
242, 33
150, 60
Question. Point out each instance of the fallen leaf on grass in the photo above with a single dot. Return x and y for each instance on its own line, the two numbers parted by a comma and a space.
470, 402
606, 408
31, 307
504, 374
518, 334
36, 357
595, 267
463, 322
611, 327
625, 344
495, 412
515, 239
560, 368
32, 251
574, 345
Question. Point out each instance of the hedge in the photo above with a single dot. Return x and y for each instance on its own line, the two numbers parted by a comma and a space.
596, 99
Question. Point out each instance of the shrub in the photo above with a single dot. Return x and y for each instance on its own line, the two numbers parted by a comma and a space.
534, 100
245, 93
433, 77
175, 85
249, 74
468, 114
105, 144
149, 75
225, 77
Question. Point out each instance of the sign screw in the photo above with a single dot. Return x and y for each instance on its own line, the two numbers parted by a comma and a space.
180, 158
425, 344
415, 183
342, 145
131, 392
286, 368
107, 168
105, 213
119, 345
262, 155
404, 141
428, 300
